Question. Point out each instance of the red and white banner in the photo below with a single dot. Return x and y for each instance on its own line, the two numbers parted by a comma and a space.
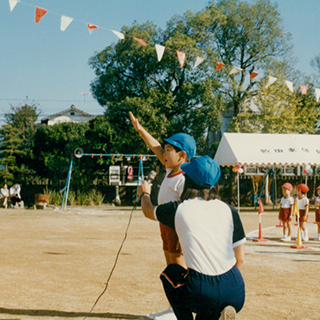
140, 41
39, 14
199, 60
12, 4
160, 50
91, 27
118, 34
181, 57
65, 21
219, 66
303, 89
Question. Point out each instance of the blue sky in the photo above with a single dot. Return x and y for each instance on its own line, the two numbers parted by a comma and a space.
50, 66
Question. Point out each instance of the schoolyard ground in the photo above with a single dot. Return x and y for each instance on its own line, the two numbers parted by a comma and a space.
54, 264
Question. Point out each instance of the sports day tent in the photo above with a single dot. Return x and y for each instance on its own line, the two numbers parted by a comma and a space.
268, 150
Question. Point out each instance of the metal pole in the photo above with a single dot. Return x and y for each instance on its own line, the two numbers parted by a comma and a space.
238, 187
66, 192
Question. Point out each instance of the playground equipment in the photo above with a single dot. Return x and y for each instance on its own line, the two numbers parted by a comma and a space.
114, 173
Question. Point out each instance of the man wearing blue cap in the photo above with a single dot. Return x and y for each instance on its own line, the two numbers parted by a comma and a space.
212, 240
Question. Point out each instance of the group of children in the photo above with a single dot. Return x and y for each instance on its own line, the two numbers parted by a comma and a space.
286, 211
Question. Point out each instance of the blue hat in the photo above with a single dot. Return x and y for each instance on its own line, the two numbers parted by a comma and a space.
184, 142
204, 171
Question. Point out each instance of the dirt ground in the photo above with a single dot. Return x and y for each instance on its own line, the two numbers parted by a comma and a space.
55, 264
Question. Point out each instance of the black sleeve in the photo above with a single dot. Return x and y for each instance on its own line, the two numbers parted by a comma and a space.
166, 212
238, 231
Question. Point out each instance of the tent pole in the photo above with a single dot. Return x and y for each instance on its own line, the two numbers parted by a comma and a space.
238, 187
273, 199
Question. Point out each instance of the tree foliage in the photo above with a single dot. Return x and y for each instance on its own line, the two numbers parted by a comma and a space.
165, 97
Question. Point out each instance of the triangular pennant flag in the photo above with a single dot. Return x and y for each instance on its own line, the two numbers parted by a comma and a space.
91, 27
260, 207
271, 81
65, 21
181, 57
235, 70
118, 34
160, 51
317, 94
39, 14
253, 75
219, 66
303, 89
140, 41
12, 4
289, 85
198, 61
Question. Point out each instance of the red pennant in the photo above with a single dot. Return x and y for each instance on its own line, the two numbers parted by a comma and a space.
140, 41
39, 14
219, 66
91, 27
260, 206
181, 57
303, 89
253, 75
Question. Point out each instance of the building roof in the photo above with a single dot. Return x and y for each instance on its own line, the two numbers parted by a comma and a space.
64, 112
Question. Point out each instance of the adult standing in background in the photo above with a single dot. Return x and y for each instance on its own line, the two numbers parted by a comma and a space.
212, 240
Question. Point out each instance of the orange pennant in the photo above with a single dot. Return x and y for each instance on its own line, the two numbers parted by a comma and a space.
91, 27
140, 41
181, 57
253, 75
219, 66
303, 89
39, 14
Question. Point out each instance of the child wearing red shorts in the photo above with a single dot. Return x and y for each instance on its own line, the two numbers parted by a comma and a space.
317, 205
303, 204
286, 210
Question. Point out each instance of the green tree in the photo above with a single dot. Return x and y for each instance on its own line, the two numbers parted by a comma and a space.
165, 97
11, 141
278, 110
53, 148
23, 117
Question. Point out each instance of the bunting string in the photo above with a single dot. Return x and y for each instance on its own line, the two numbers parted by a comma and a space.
66, 21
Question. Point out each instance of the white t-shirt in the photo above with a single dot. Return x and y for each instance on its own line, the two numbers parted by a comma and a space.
207, 230
171, 187
286, 202
318, 199
303, 202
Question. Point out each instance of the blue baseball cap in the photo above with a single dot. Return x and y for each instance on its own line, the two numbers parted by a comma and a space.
184, 142
204, 171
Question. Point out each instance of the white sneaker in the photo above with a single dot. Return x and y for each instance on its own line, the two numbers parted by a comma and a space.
228, 313
306, 236
284, 238
162, 313
317, 238
167, 316
288, 238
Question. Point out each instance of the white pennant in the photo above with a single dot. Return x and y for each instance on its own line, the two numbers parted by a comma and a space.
198, 61
289, 85
65, 21
317, 94
160, 51
12, 4
235, 70
118, 34
271, 81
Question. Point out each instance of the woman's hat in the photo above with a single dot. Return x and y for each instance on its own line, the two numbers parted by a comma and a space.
317, 188
288, 186
204, 171
184, 142
303, 187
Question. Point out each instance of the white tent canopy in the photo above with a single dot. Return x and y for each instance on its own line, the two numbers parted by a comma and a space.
258, 149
